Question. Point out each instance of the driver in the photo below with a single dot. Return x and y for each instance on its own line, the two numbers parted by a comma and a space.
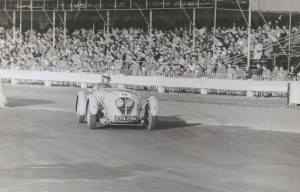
105, 81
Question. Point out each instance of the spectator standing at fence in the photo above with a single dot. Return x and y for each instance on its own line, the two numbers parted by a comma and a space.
221, 71
199, 70
249, 72
135, 68
167, 70
266, 73
292, 72
282, 74
230, 72
239, 73
150, 65
275, 73
259, 70
118, 65
209, 64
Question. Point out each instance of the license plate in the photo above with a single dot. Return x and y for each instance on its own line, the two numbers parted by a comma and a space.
126, 118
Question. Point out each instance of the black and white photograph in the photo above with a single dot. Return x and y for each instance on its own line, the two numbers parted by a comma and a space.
149, 95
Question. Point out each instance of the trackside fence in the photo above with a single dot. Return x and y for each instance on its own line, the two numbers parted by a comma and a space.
202, 85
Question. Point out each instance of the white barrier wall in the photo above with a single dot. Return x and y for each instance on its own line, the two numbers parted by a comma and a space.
51, 76
294, 93
250, 85
203, 83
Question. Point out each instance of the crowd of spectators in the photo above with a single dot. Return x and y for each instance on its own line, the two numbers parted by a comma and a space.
134, 51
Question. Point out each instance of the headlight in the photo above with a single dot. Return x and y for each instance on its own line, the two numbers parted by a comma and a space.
128, 102
119, 102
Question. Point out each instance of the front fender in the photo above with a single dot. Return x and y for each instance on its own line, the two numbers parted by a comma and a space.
153, 103
93, 104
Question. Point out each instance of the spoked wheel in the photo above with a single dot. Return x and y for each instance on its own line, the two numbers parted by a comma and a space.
91, 119
150, 120
80, 118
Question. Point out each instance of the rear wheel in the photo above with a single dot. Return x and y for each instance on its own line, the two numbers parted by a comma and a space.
150, 120
91, 119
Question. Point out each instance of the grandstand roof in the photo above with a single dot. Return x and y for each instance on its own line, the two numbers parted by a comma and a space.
118, 4
276, 5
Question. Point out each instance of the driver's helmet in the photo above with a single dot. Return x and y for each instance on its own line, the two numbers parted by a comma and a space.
106, 76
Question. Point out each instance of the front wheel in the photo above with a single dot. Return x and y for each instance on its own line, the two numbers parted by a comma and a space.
91, 119
150, 120
80, 118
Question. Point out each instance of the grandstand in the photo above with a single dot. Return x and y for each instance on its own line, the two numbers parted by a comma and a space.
219, 17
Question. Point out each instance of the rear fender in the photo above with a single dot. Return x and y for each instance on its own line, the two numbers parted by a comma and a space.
81, 103
153, 102
93, 104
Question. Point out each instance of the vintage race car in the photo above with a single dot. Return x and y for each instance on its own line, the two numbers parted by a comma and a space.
115, 106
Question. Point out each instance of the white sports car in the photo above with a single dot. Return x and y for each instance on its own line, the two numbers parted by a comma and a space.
115, 106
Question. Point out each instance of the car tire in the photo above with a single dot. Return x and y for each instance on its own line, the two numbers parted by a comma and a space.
81, 106
80, 118
91, 119
150, 120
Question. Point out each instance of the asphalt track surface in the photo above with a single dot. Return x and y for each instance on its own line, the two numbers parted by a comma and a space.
197, 147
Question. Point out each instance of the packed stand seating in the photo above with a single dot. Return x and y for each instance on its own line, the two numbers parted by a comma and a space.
170, 52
